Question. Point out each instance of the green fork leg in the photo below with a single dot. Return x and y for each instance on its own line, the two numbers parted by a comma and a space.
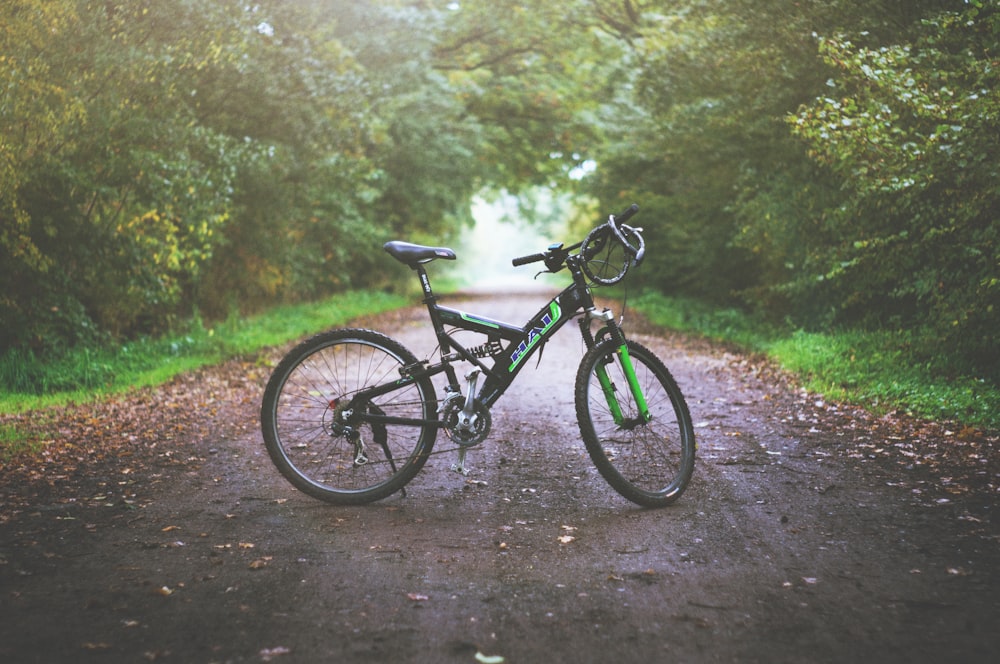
633, 382
609, 393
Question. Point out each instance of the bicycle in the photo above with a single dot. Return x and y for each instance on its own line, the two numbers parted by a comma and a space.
350, 416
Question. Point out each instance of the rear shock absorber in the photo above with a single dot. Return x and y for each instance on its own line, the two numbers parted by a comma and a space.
491, 348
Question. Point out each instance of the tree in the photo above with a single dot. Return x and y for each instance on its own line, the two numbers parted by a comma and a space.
532, 76
702, 140
911, 129
822, 161
117, 192
36, 113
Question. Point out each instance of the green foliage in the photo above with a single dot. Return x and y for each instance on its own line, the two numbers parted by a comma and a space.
117, 199
158, 158
821, 163
696, 129
728, 325
531, 75
881, 370
912, 130
816, 177
886, 371
31, 380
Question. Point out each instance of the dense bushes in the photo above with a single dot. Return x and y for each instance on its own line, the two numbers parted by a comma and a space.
821, 162
825, 163
161, 158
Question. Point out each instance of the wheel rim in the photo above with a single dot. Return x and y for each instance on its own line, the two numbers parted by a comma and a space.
315, 445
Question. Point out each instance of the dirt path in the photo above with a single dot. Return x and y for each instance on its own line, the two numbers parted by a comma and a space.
810, 533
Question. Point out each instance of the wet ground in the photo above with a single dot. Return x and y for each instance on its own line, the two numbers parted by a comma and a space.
811, 532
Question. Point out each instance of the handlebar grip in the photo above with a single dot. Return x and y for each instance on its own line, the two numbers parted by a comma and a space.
626, 214
524, 260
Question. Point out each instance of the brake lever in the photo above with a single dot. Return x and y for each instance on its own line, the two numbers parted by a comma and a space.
558, 268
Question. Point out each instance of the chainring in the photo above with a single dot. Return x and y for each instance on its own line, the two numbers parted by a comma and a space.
471, 435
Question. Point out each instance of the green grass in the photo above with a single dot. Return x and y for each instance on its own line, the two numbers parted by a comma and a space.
15, 442
694, 316
86, 374
878, 370
881, 370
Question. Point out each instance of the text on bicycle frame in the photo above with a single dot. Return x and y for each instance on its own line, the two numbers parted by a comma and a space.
535, 335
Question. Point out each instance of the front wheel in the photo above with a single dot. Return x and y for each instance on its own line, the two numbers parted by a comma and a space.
647, 458
331, 445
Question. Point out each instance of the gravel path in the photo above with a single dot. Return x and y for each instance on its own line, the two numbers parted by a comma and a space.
810, 533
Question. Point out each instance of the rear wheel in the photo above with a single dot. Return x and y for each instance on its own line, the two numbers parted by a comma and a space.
317, 435
648, 462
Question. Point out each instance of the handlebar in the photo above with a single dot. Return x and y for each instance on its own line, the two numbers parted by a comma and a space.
626, 215
525, 260
630, 238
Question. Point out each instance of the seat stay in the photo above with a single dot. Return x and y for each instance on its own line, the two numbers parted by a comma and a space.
411, 376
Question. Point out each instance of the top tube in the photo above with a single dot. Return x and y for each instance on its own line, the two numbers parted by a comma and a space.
476, 323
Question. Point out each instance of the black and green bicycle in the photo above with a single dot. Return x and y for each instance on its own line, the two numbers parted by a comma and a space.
350, 416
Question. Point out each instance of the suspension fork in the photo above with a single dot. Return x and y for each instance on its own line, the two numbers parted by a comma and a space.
628, 368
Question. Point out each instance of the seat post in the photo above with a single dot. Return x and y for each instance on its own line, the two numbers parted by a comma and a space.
430, 299
425, 283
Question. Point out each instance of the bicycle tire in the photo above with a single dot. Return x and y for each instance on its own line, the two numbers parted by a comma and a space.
651, 463
606, 259
631, 240
297, 412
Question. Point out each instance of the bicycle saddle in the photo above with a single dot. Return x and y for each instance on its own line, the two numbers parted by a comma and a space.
412, 254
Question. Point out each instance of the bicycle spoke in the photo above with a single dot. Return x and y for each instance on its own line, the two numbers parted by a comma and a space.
648, 462
329, 451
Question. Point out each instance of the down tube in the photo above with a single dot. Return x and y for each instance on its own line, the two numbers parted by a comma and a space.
515, 356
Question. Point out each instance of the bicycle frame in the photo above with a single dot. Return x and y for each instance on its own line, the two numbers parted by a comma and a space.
510, 347
351, 415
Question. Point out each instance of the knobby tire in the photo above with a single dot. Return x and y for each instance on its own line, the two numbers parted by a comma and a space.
649, 463
297, 414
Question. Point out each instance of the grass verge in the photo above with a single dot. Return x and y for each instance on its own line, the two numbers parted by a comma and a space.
883, 371
86, 374
14, 442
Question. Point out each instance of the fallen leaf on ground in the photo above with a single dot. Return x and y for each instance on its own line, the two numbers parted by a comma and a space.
89, 645
267, 654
